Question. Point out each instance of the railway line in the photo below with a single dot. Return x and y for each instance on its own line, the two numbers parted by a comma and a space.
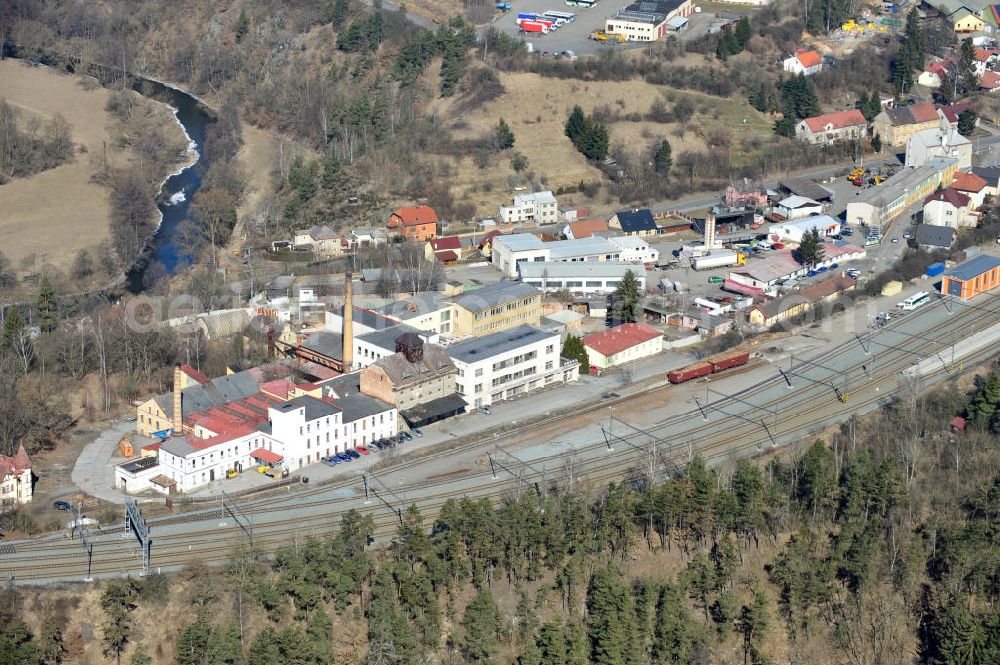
768, 413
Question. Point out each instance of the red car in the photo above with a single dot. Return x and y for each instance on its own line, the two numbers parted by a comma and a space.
363, 450
778, 245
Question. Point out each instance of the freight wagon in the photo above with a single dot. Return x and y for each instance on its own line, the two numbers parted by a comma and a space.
713, 365
725, 361
694, 371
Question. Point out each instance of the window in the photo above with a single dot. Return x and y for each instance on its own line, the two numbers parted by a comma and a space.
550, 348
479, 372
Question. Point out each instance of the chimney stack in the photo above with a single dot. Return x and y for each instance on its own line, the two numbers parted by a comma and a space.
178, 416
348, 332
710, 232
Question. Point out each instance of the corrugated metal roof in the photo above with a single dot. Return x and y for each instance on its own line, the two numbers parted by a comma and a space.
974, 267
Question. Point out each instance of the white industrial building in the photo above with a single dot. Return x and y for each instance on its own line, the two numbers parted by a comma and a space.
424, 311
586, 278
634, 249
793, 230
508, 363
511, 251
370, 347
536, 207
258, 430
797, 207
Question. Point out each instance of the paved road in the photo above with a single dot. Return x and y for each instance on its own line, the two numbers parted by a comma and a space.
734, 416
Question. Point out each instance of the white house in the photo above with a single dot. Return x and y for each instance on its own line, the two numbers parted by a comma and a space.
15, 478
368, 237
797, 207
585, 278
633, 249
322, 240
508, 363
942, 141
803, 61
832, 127
949, 207
973, 186
536, 207
621, 344
424, 311
793, 230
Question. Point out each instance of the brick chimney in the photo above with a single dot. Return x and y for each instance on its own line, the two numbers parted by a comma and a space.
348, 332
178, 419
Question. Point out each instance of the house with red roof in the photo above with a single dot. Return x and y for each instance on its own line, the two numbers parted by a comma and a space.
989, 82
15, 478
444, 249
973, 186
952, 111
832, 127
803, 61
622, 344
417, 222
949, 207
895, 125
935, 73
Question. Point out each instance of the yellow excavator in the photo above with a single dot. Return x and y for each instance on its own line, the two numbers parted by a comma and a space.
601, 36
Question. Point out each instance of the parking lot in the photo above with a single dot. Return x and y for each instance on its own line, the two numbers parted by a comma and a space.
575, 36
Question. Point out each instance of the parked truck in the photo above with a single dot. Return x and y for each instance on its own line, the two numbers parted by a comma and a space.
718, 259
534, 26
601, 36
504, 6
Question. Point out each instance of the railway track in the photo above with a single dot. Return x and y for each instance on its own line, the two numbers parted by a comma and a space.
277, 521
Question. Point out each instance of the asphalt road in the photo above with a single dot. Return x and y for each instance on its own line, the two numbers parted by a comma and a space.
733, 419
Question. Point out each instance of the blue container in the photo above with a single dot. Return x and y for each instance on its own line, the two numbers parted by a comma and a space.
935, 269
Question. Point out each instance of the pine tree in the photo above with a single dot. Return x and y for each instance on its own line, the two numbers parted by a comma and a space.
967, 122
916, 40
51, 647
742, 33
810, 248
140, 656
754, 622
672, 639
481, 623
242, 25
503, 137
118, 601
552, 643
984, 410
609, 618
876, 144
8, 277
412, 543
575, 124
223, 646
663, 157
626, 300
967, 78
192, 643
48, 307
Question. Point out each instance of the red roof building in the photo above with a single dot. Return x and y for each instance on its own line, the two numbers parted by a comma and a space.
621, 344
952, 196
838, 120
808, 58
417, 222
832, 127
968, 182
952, 111
989, 82
15, 477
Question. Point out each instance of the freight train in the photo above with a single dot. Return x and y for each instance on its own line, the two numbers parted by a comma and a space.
712, 365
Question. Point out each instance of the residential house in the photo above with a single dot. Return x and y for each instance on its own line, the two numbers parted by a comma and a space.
803, 61
638, 222
951, 112
625, 343
496, 307
362, 238
984, 59
534, 208
509, 363
15, 478
832, 127
572, 213
709, 325
444, 249
584, 228
965, 22
941, 141
322, 241
897, 124
419, 380
991, 174
797, 207
973, 186
932, 237
948, 207
417, 222
989, 82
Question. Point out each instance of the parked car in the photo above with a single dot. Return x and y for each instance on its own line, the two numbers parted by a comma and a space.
343, 457
811, 273
353, 454
62, 505
854, 273
715, 279
332, 460
778, 245
485, 410
416, 432
363, 450
907, 234
834, 266
822, 269
895, 239
846, 232
405, 436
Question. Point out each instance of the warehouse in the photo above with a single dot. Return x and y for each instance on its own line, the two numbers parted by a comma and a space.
878, 205
646, 21
793, 231
973, 277
621, 344
511, 251
586, 278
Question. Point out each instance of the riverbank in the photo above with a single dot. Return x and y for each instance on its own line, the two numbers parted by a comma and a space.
64, 203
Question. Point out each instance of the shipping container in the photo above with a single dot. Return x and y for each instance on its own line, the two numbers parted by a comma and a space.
534, 26
527, 17
717, 259
935, 269
725, 361
690, 372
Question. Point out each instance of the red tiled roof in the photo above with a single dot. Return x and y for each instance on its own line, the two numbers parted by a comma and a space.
923, 112
15, 464
827, 287
584, 228
838, 120
968, 182
446, 255
952, 196
951, 112
446, 242
489, 237
266, 456
414, 215
619, 338
194, 374
989, 81
808, 58
941, 67
153, 447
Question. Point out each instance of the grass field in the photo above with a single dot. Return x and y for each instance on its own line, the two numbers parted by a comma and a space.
55, 213
536, 109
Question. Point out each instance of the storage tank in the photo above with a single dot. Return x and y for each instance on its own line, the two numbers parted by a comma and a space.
892, 288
